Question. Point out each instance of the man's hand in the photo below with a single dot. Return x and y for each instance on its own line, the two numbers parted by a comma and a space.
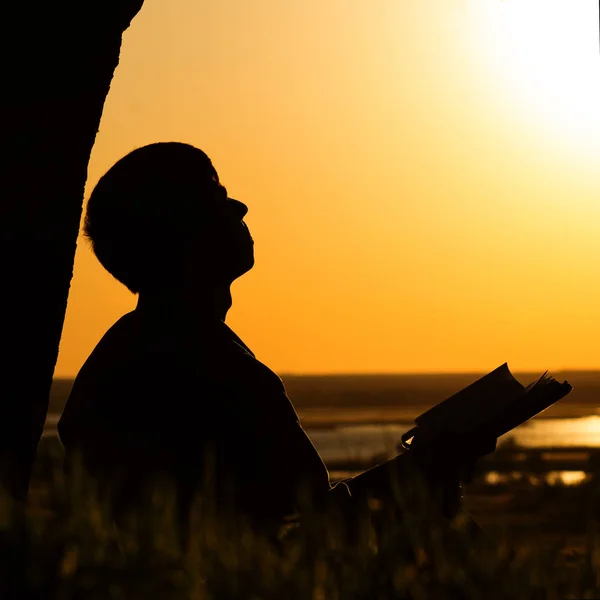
457, 453
473, 448
448, 461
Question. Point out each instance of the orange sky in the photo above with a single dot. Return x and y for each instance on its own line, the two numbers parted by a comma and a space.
423, 176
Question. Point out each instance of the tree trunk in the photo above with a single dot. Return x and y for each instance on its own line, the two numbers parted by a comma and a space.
58, 61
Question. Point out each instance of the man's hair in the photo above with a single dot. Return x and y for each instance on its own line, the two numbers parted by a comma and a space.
137, 215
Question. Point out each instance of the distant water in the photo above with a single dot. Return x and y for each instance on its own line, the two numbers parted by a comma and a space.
365, 441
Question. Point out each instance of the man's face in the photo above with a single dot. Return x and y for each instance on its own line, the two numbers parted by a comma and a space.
231, 246
242, 244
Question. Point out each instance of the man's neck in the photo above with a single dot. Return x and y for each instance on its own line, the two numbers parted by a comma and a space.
208, 304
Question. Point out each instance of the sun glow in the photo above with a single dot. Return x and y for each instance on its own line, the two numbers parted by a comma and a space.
547, 52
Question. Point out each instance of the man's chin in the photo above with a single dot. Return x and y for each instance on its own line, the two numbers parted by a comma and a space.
250, 259
249, 265
244, 266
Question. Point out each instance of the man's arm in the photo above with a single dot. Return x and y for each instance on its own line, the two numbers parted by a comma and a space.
437, 469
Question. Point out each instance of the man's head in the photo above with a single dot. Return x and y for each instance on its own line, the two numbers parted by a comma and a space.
160, 216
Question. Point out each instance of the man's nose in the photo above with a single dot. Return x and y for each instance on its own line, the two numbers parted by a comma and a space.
239, 207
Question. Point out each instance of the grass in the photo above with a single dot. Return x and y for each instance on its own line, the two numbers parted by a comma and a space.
65, 546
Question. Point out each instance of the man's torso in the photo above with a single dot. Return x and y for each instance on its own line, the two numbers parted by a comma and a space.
165, 397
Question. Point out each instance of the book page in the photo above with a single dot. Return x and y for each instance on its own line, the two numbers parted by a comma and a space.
545, 378
541, 395
473, 406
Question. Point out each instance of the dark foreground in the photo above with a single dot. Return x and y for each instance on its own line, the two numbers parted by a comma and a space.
544, 547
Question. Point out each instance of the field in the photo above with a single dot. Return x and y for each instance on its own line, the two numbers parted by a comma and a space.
539, 536
75, 552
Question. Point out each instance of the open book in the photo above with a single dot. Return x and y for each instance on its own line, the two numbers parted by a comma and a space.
492, 406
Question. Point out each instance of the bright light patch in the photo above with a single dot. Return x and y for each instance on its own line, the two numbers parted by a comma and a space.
493, 478
548, 53
566, 477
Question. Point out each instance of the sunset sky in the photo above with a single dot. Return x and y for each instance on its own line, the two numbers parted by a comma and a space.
422, 176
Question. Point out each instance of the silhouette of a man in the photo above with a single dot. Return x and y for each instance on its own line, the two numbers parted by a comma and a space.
170, 384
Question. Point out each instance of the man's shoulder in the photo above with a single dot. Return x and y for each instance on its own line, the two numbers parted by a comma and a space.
131, 356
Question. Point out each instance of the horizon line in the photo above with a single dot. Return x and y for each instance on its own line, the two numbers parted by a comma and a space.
398, 373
